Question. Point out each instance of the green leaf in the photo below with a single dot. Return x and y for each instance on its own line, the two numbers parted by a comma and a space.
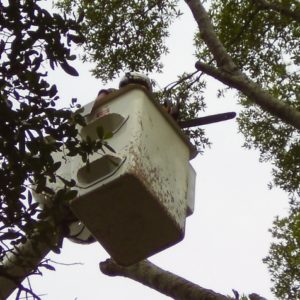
49, 267
100, 132
53, 91
68, 69
109, 147
108, 135
29, 197
10, 235
56, 166
70, 194
80, 119
68, 183
48, 190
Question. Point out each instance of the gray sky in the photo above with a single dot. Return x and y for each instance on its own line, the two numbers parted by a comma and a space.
226, 237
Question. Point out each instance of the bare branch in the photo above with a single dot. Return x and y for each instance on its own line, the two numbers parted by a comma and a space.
64, 264
172, 85
252, 90
162, 281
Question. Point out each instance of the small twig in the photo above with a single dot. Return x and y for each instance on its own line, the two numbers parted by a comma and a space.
26, 297
177, 82
63, 264
27, 291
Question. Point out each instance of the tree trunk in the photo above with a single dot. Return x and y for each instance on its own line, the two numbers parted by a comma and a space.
23, 260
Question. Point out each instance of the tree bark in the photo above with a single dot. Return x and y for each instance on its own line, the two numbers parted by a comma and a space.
254, 92
228, 73
24, 259
162, 281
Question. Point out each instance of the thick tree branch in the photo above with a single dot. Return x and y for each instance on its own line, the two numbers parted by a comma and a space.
208, 34
282, 9
23, 260
162, 281
228, 73
250, 89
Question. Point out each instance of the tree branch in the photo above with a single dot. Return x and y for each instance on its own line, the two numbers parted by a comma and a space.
19, 263
282, 9
228, 73
208, 34
252, 90
162, 281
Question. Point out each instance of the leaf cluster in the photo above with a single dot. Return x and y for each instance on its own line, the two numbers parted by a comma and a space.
32, 129
123, 35
186, 93
265, 44
284, 255
263, 38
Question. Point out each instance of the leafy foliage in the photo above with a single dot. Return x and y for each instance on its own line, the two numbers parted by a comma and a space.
187, 94
263, 39
264, 43
284, 256
129, 35
123, 35
32, 129
32, 38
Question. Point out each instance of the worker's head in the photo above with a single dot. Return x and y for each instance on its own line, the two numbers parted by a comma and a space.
101, 95
102, 92
136, 78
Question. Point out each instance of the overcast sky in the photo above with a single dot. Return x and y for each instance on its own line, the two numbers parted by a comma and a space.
226, 237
